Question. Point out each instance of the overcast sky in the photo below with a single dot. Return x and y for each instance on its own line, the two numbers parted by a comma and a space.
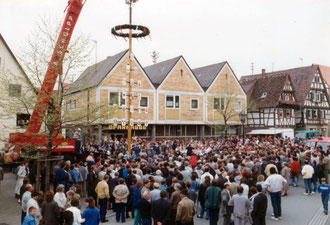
273, 34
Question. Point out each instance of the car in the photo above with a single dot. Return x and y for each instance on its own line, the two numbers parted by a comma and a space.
320, 141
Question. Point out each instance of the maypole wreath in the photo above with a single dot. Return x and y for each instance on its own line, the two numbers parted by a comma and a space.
141, 31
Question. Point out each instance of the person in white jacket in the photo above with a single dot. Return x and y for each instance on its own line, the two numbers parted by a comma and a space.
307, 173
206, 173
77, 220
60, 197
23, 171
33, 203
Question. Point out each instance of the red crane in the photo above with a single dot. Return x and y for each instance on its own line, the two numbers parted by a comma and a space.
31, 137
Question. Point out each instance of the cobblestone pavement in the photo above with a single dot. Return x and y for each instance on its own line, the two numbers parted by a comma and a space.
297, 209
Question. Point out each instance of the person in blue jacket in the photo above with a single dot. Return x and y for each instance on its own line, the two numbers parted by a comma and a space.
91, 213
74, 174
136, 200
30, 218
61, 176
324, 190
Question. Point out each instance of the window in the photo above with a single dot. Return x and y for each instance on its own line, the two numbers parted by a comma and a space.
280, 113
173, 101
194, 104
311, 96
318, 97
22, 120
322, 97
177, 102
113, 98
216, 103
67, 105
308, 113
288, 113
144, 102
169, 101
314, 113
219, 103
222, 104
238, 106
74, 104
122, 100
287, 98
14, 90
264, 95
317, 79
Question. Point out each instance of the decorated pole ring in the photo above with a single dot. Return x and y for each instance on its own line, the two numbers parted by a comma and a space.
118, 31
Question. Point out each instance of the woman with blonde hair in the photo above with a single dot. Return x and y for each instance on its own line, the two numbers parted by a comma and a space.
261, 181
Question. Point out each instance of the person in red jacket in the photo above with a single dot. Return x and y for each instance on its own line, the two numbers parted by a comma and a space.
193, 160
294, 169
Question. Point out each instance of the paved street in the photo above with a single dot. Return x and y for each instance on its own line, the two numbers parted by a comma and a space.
297, 209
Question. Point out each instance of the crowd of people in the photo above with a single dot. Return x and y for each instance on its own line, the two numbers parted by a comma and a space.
170, 181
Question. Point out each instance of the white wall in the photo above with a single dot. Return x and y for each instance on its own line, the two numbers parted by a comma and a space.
10, 70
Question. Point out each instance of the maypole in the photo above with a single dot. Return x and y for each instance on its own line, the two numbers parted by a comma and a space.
140, 31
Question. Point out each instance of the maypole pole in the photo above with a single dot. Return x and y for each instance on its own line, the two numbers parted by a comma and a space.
139, 32
129, 128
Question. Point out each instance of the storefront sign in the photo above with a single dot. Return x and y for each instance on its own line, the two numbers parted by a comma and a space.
121, 127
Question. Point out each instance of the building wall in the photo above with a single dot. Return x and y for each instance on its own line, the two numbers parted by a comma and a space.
225, 86
79, 113
114, 83
11, 73
180, 82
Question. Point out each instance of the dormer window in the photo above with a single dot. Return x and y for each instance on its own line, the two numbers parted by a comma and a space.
264, 95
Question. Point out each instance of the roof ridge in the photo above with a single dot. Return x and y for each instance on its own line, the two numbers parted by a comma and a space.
210, 65
280, 71
250, 78
155, 64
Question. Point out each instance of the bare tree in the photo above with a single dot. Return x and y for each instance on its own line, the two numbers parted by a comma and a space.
34, 58
227, 105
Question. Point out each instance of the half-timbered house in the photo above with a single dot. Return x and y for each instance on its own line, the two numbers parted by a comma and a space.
271, 101
311, 95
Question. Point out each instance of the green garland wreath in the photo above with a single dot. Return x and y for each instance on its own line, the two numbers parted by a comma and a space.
144, 31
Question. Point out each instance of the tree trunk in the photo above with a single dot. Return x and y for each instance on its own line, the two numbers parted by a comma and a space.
47, 175
38, 175
226, 127
47, 164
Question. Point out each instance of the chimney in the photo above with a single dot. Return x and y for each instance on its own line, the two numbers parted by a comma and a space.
263, 71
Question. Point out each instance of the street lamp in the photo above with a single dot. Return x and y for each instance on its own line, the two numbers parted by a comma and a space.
242, 117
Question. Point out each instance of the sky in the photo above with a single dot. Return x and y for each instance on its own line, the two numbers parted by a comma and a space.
271, 34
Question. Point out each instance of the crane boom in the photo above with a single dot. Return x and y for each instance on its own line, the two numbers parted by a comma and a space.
31, 137
54, 67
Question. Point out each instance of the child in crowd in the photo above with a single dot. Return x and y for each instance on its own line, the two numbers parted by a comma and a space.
30, 218
324, 190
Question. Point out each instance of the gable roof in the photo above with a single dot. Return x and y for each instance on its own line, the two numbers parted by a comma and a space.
271, 85
206, 74
94, 74
325, 72
18, 64
301, 77
159, 71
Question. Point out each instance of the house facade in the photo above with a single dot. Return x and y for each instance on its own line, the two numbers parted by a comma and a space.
17, 95
311, 95
271, 101
170, 100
